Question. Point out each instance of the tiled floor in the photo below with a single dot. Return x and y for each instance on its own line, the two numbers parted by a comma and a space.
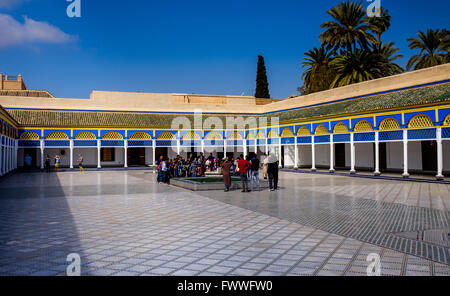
122, 223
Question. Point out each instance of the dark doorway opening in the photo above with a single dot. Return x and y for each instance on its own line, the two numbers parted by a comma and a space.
383, 156
136, 156
339, 153
33, 153
161, 151
429, 156
282, 156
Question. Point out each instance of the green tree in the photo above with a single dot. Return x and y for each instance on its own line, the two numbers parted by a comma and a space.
262, 86
388, 53
381, 24
348, 29
318, 74
433, 46
357, 66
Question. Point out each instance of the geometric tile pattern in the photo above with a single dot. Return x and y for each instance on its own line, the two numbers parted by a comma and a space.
123, 223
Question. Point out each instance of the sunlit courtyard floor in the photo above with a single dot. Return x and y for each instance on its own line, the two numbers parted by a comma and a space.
123, 223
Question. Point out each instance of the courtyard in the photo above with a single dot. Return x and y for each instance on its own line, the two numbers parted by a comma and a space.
121, 222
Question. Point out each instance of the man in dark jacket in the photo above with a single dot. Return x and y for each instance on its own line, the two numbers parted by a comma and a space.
273, 173
254, 173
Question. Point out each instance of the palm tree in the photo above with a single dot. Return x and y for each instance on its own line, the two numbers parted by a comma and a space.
356, 66
319, 73
381, 24
387, 53
433, 47
349, 27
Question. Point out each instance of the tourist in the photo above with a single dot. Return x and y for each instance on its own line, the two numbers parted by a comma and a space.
272, 170
265, 166
28, 160
158, 169
165, 172
243, 166
47, 163
226, 167
80, 163
57, 163
235, 168
254, 173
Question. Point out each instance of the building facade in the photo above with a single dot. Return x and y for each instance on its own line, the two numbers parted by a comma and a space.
395, 124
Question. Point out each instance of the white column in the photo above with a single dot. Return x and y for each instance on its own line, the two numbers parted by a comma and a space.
267, 146
313, 154
178, 146
8, 152
256, 147
203, 146
42, 154
296, 154
16, 153
405, 154
440, 164
377, 154
331, 154
244, 147
125, 149
99, 157
279, 153
71, 154
352, 154
225, 148
154, 152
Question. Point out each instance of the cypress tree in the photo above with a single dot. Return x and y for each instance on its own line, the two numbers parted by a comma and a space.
262, 86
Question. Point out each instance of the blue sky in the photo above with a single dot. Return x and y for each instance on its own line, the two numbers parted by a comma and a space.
206, 47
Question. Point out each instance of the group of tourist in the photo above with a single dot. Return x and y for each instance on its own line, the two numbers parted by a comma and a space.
247, 168
28, 160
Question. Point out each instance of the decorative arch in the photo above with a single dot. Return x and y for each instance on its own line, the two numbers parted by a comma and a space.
272, 134
447, 120
112, 136
287, 133
191, 136
389, 124
421, 121
303, 132
260, 135
166, 136
321, 130
214, 136
29, 136
363, 126
140, 136
235, 136
340, 128
250, 136
85, 136
57, 136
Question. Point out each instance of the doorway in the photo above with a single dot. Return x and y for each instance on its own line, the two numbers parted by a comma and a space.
33, 153
383, 156
429, 156
161, 151
136, 157
339, 153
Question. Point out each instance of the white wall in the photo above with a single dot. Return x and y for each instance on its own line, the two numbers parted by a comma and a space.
415, 156
446, 154
323, 155
304, 156
394, 155
289, 156
52, 152
119, 159
364, 156
89, 156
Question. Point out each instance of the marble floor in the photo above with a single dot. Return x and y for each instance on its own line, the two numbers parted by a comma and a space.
123, 223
